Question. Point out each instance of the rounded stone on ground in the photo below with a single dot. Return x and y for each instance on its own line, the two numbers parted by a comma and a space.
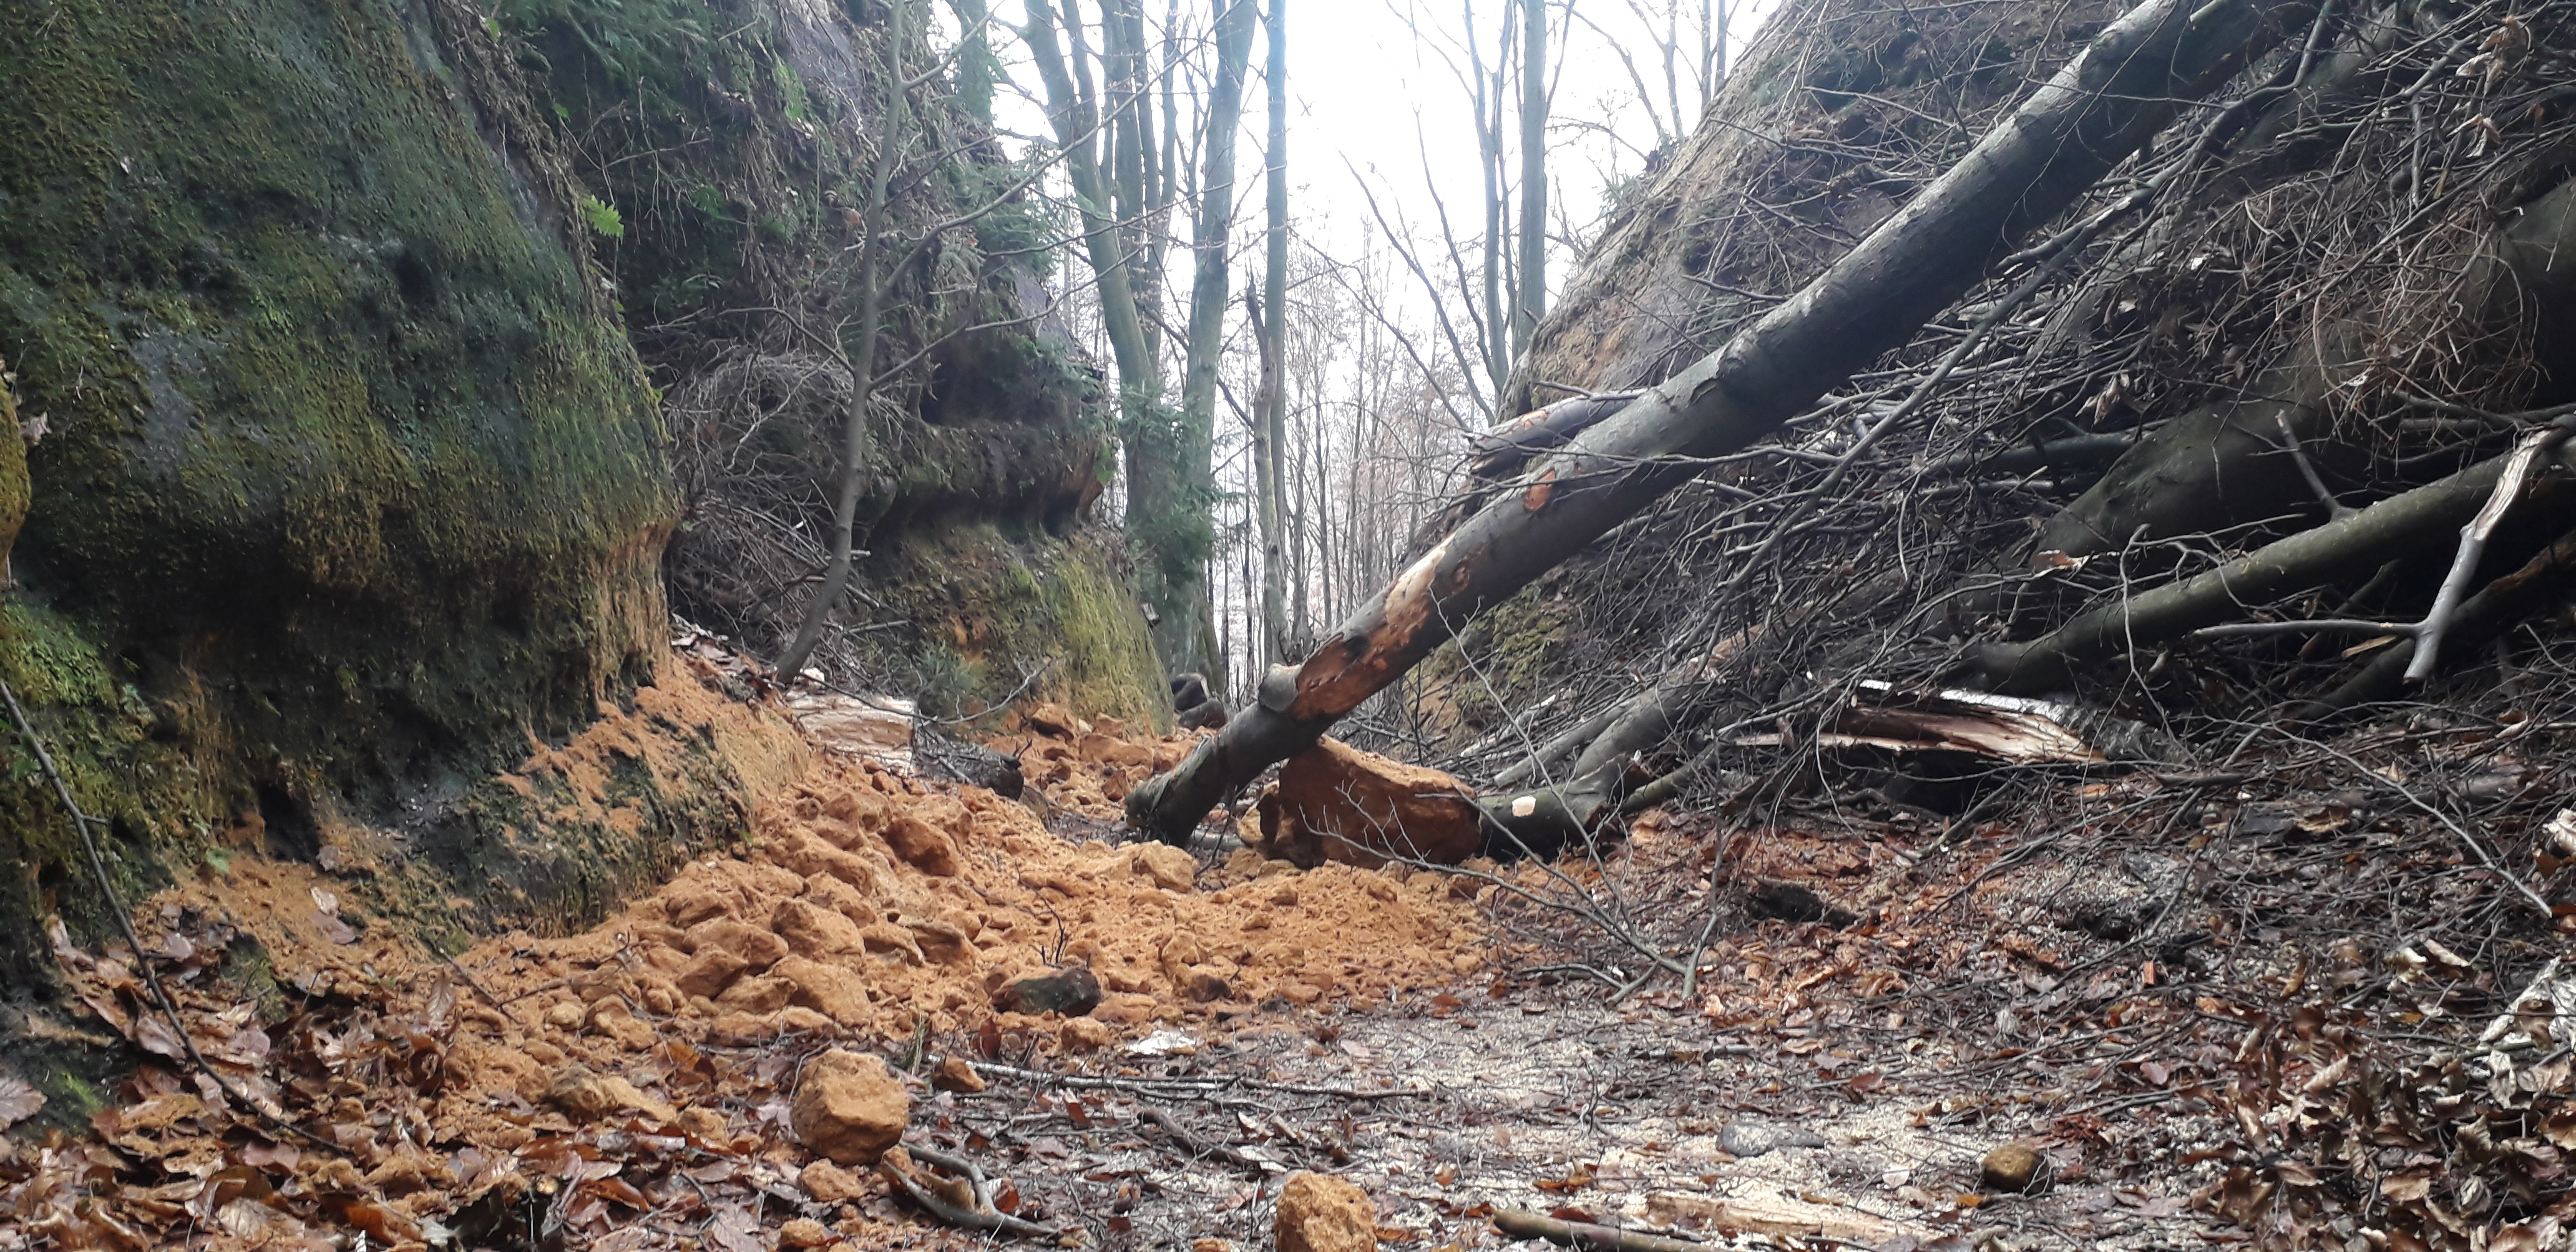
954, 1074
1171, 868
1319, 1213
830, 1184
848, 1107
2011, 1167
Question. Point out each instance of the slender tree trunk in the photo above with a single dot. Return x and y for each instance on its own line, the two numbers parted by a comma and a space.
1071, 105
1489, 163
1533, 265
1713, 53
2129, 83
1271, 438
1189, 483
977, 68
860, 362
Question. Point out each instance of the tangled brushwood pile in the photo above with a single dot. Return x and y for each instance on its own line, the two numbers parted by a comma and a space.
648, 1083
2204, 454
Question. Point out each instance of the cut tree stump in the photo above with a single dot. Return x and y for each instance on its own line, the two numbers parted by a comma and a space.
1334, 802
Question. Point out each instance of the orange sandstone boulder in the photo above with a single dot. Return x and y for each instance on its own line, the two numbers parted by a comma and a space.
1334, 802
1318, 1213
848, 1108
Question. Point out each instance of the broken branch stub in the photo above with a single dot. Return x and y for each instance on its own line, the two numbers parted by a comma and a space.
2127, 85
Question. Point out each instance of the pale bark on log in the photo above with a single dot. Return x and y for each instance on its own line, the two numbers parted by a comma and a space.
2128, 84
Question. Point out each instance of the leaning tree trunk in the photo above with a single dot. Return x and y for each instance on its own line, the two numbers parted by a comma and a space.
2125, 87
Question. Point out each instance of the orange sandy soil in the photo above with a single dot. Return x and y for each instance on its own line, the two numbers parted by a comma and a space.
626, 1087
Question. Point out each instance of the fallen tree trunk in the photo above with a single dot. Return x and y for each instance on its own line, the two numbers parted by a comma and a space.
2305, 560
2127, 85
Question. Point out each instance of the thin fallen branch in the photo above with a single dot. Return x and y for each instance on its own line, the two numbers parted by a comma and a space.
2505, 598
2374, 778
1192, 1086
1527, 1225
1196, 1146
2304, 560
2438, 620
2473, 544
966, 1201
81, 822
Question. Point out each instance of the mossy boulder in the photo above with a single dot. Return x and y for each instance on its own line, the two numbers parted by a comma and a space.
353, 483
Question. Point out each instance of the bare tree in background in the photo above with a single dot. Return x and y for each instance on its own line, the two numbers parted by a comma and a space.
1270, 423
1126, 183
1532, 287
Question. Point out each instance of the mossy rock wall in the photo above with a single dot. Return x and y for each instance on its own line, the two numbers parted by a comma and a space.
976, 608
734, 155
352, 483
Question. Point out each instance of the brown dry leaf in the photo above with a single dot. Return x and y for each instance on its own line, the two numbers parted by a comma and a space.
18, 1101
155, 1035
337, 930
735, 1230
2520, 1237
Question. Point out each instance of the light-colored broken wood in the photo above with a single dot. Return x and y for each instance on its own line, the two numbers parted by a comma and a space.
872, 728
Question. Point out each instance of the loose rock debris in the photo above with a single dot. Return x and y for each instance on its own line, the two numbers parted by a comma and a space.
908, 1013
711, 1065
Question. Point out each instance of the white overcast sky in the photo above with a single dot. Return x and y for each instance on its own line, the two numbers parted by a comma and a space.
1367, 94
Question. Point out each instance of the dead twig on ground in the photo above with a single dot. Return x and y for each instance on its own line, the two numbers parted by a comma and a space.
965, 1201
1194, 1145
1528, 1225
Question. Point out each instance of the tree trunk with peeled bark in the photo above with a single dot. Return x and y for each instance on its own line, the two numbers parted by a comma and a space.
2127, 85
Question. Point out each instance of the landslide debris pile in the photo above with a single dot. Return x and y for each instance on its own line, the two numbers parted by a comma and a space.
636, 1085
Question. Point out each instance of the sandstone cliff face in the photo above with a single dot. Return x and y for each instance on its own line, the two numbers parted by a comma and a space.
361, 391
735, 145
352, 478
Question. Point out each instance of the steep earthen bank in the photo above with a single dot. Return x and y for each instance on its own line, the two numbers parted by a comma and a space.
348, 477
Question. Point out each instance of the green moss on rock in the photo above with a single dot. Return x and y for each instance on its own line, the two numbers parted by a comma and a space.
981, 609
13, 470
352, 481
